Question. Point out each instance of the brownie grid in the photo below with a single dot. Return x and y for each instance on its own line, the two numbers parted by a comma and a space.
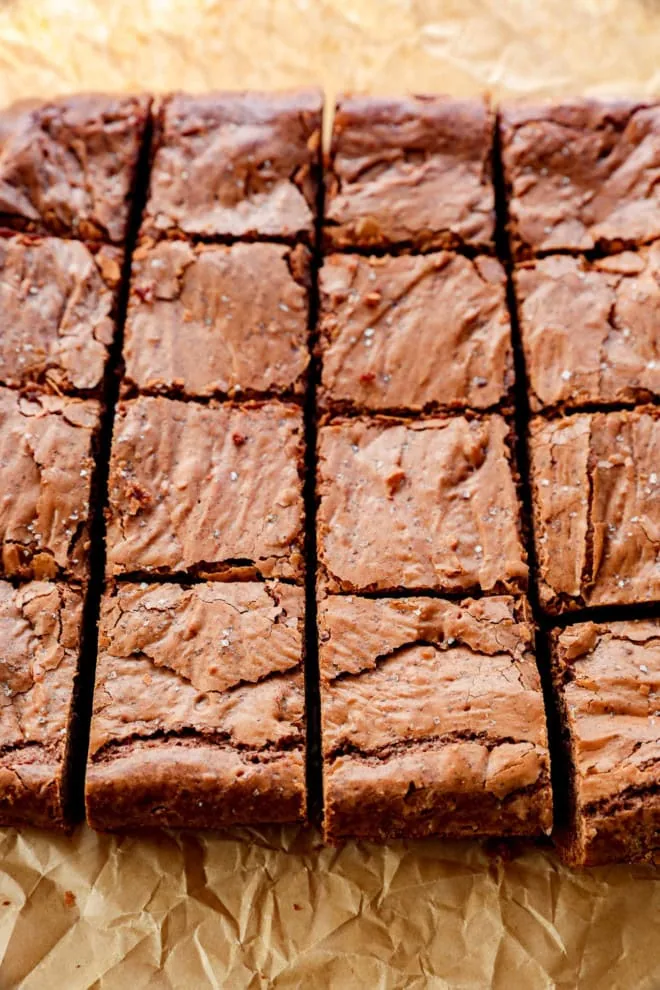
431, 704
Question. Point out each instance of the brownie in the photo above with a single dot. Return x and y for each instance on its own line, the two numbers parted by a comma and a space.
590, 330
68, 167
57, 312
40, 626
206, 320
414, 332
47, 448
236, 165
581, 175
429, 504
199, 712
206, 489
596, 508
607, 687
413, 172
432, 719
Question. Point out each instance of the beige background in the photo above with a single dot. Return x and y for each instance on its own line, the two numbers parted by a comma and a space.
274, 908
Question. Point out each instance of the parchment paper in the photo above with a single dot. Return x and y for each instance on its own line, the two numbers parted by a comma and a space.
253, 909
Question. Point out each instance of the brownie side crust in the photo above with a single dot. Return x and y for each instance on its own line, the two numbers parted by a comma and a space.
429, 504
413, 333
235, 165
198, 716
607, 683
432, 719
213, 320
412, 172
206, 489
581, 175
47, 447
57, 312
596, 508
40, 626
68, 167
590, 329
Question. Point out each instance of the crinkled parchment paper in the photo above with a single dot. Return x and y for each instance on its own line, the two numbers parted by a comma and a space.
253, 909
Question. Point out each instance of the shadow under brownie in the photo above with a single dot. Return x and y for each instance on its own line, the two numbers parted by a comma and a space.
413, 333
40, 630
208, 320
607, 686
596, 508
198, 716
68, 167
432, 719
429, 504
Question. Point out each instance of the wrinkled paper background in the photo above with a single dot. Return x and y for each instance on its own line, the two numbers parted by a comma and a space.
273, 907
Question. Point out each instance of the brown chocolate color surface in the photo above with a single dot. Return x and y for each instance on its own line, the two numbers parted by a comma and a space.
242, 165
413, 332
68, 167
607, 685
581, 175
206, 489
207, 320
591, 332
57, 312
596, 507
410, 172
40, 625
198, 707
47, 446
429, 504
432, 719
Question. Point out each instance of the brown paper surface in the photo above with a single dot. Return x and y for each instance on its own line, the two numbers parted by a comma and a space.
274, 908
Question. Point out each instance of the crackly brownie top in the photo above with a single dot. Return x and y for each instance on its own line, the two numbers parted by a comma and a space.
202, 488
582, 174
413, 331
590, 331
596, 497
39, 645
46, 465
205, 320
57, 309
68, 167
609, 675
410, 172
427, 673
236, 165
219, 660
428, 504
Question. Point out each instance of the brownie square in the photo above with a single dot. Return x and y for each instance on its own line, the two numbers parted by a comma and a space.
57, 312
415, 332
199, 710
607, 684
581, 175
429, 504
432, 719
244, 165
590, 331
206, 489
40, 628
410, 173
596, 508
68, 167
47, 448
206, 320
